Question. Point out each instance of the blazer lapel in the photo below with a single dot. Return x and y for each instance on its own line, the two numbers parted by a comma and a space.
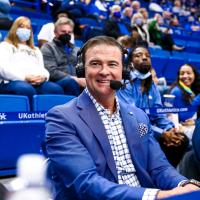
91, 117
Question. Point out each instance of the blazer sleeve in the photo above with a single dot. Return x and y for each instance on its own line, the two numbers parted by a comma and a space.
74, 164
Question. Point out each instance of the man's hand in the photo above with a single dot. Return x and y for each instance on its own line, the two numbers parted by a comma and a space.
172, 138
177, 191
35, 80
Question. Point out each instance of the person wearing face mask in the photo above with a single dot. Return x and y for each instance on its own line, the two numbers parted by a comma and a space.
46, 33
143, 93
114, 26
22, 70
60, 58
139, 29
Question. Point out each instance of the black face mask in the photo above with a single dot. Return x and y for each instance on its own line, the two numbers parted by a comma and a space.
65, 38
143, 68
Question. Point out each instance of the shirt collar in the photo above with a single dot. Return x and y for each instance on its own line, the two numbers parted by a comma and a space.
99, 107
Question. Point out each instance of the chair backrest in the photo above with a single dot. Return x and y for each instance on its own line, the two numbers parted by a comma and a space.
14, 103
45, 102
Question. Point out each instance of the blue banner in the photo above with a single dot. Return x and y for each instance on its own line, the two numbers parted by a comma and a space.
26, 116
162, 110
21, 116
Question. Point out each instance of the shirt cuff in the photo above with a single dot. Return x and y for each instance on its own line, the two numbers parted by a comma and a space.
182, 182
150, 194
157, 131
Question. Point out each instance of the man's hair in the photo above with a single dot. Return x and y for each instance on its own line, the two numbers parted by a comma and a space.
98, 40
63, 21
138, 45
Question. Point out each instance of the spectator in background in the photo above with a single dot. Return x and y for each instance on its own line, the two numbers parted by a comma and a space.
136, 6
21, 65
161, 37
126, 41
143, 93
192, 24
126, 4
187, 94
46, 33
191, 5
114, 26
60, 57
139, 30
95, 8
185, 89
127, 14
144, 13
5, 19
160, 82
178, 9
167, 15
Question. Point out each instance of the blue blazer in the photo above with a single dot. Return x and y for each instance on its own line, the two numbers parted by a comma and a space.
80, 158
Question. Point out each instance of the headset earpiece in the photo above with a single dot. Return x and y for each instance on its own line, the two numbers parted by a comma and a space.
80, 69
126, 69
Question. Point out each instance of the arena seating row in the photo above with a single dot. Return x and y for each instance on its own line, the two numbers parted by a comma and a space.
167, 63
33, 4
23, 131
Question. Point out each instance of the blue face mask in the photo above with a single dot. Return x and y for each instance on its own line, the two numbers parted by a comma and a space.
139, 21
136, 74
23, 34
117, 15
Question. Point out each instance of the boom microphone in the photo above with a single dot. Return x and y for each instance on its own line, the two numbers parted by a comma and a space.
115, 85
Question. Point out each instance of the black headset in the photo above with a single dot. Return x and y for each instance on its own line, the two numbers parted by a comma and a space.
80, 68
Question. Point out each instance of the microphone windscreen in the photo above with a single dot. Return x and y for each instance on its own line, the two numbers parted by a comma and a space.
115, 85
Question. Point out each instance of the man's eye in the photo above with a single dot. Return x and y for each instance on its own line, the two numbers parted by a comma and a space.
95, 64
113, 65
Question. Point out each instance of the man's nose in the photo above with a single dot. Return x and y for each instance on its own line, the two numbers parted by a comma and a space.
144, 57
104, 69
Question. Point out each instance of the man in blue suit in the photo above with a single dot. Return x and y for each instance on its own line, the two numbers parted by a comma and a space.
100, 148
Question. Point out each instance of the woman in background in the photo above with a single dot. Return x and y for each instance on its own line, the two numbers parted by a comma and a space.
21, 65
186, 92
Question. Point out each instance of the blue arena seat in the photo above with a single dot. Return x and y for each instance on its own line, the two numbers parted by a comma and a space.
24, 3
14, 103
87, 21
193, 56
159, 63
170, 71
193, 47
18, 136
45, 102
79, 43
159, 52
195, 63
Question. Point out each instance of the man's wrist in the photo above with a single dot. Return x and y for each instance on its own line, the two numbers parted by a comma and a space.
191, 181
